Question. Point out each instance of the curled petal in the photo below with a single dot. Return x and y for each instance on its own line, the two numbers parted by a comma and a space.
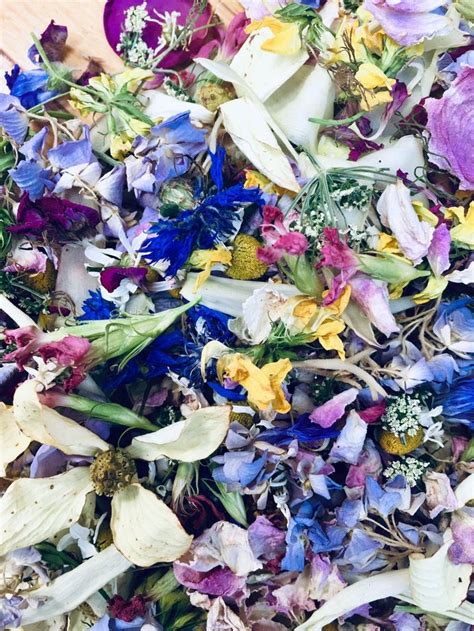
144, 529
14, 441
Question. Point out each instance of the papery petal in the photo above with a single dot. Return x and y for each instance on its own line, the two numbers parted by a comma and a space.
111, 185
438, 252
75, 587
397, 213
350, 441
144, 529
451, 128
31, 178
328, 413
49, 427
439, 494
13, 117
35, 509
191, 440
372, 296
14, 441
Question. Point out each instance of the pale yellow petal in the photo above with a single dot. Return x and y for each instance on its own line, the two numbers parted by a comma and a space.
190, 440
47, 426
71, 589
144, 529
12, 440
34, 509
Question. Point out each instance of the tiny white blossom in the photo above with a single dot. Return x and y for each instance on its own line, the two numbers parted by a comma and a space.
410, 468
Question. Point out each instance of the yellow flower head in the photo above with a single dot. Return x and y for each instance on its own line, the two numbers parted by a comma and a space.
245, 264
263, 385
285, 38
463, 231
206, 259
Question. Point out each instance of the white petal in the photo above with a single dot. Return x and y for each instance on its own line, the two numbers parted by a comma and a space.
263, 70
13, 440
309, 93
464, 276
34, 509
385, 585
144, 529
73, 277
245, 123
190, 440
47, 426
163, 106
437, 584
68, 591
464, 491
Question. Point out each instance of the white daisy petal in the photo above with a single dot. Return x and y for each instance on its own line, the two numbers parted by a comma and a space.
190, 440
144, 529
34, 509
69, 590
13, 440
47, 426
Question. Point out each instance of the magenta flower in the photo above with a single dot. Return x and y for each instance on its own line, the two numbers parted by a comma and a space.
451, 128
114, 24
336, 253
279, 240
71, 352
111, 277
409, 22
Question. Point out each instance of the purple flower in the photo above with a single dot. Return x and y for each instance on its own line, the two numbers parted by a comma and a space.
53, 40
409, 22
405, 622
451, 128
346, 136
327, 414
438, 252
13, 117
111, 277
114, 18
31, 178
378, 499
266, 541
53, 217
462, 526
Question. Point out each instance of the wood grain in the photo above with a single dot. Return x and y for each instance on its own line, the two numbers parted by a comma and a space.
19, 18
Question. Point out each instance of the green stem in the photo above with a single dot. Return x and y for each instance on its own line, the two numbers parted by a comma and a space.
108, 412
52, 71
332, 122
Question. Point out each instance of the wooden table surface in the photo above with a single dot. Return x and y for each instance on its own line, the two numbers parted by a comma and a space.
19, 18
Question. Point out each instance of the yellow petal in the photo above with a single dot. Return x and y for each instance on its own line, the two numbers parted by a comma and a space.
286, 38
144, 529
242, 370
13, 440
434, 288
424, 214
34, 509
371, 77
47, 426
190, 440
387, 243
276, 372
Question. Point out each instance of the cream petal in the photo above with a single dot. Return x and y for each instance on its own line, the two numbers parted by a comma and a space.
34, 509
13, 440
245, 122
69, 590
47, 426
144, 529
190, 440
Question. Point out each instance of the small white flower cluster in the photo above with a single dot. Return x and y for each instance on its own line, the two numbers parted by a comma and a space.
402, 416
410, 468
170, 27
136, 18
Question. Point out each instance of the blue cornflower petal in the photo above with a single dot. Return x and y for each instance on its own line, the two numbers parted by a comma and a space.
458, 403
96, 307
217, 166
210, 325
13, 117
303, 430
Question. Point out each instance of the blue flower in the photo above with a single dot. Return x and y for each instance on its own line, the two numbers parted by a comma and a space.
31, 178
217, 167
210, 325
303, 429
96, 307
380, 500
458, 403
302, 527
13, 117
30, 86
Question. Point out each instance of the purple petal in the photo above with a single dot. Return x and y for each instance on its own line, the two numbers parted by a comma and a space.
31, 178
438, 252
409, 23
110, 186
451, 128
32, 148
71, 154
327, 414
53, 39
350, 441
111, 277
